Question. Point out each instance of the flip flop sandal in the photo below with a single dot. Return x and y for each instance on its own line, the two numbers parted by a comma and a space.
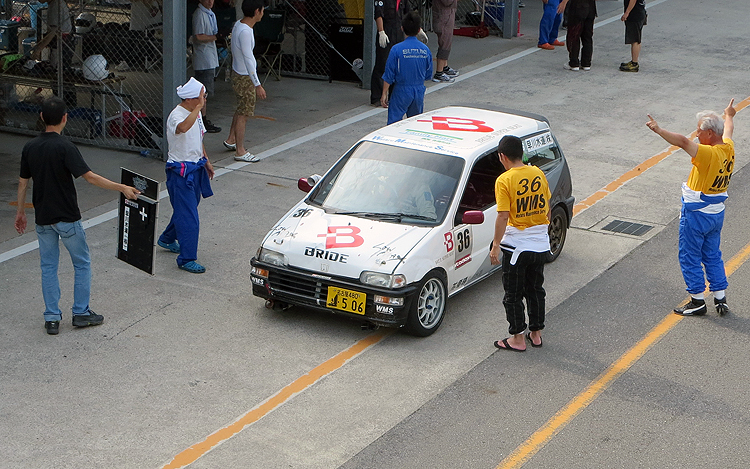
507, 346
528, 336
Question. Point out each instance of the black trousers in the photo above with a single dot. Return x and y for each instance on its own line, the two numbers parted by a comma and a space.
376, 83
525, 279
580, 33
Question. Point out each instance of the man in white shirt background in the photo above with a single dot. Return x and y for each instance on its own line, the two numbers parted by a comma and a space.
245, 80
205, 57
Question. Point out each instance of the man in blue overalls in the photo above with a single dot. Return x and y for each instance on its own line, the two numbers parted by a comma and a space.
549, 26
409, 65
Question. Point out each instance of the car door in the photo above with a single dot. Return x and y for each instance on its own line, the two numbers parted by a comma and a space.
471, 243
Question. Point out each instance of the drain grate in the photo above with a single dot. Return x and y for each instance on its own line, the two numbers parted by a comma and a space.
628, 228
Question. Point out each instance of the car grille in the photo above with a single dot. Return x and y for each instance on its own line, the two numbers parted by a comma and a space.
299, 286
304, 288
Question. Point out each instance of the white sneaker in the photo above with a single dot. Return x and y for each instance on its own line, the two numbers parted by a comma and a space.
248, 158
586, 69
568, 67
451, 72
441, 77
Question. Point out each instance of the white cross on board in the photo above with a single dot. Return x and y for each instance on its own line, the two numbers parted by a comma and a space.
143, 213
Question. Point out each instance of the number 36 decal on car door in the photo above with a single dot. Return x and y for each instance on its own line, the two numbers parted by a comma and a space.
459, 240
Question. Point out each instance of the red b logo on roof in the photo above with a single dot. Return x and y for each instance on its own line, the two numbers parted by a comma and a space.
460, 124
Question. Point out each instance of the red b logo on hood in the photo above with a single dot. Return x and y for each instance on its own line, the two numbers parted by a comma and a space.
349, 235
460, 124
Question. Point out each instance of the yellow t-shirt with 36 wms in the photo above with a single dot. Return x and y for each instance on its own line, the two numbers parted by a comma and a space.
712, 168
524, 192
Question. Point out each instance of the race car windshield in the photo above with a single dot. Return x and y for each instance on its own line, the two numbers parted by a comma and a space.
393, 184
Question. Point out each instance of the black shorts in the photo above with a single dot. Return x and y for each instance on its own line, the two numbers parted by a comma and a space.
633, 31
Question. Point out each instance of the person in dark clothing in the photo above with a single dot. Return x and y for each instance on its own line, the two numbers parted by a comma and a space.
388, 17
634, 17
521, 243
52, 162
580, 36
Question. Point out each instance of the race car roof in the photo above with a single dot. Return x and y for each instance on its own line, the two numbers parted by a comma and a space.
458, 131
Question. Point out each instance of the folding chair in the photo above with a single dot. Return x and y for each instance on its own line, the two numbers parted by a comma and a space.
269, 34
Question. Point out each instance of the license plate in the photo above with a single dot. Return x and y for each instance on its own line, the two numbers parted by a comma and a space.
346, 300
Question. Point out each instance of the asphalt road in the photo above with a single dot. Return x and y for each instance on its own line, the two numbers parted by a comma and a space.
194, 370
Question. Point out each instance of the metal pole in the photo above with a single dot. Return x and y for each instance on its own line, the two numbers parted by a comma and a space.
510, 19
369, 43
59, 51
175, 63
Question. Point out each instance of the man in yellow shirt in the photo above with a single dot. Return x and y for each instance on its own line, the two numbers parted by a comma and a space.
702, 215
523, 196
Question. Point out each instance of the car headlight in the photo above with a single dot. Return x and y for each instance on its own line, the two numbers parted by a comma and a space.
272, 257
376, 279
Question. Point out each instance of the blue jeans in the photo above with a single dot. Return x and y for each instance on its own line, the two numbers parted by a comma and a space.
700, 239
549, 26
74, 240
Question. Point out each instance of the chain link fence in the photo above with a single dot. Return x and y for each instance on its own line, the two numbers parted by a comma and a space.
102, 57
469, 14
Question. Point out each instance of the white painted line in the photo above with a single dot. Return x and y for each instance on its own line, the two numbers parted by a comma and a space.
13, 253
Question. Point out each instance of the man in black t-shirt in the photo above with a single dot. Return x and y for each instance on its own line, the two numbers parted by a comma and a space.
634, 17
53, 162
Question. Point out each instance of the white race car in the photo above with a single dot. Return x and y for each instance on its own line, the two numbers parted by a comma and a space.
405, 219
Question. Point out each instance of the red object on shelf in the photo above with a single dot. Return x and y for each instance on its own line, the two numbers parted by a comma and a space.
124, 126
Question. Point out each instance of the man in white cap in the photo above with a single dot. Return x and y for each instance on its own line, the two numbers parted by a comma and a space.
188, 175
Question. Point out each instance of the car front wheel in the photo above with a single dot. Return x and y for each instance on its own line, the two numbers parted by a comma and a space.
428, 308
558, 230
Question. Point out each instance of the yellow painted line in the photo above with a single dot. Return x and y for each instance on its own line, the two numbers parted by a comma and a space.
196, 451
553, 426
637, 171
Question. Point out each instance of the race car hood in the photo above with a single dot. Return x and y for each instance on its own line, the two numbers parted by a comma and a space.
342, 245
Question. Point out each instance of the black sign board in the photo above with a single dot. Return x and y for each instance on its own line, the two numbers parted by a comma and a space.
137, 222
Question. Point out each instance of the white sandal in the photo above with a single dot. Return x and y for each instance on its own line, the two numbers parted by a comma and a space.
229, 146
248, 158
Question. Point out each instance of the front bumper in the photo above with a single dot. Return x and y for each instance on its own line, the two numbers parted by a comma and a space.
301, 287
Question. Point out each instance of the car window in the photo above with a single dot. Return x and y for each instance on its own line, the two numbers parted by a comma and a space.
394, 184
479, 193
541, 150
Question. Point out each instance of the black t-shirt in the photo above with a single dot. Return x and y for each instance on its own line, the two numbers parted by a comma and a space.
638, 13
52, 162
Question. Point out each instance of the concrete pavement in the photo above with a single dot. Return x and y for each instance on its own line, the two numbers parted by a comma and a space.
180, 357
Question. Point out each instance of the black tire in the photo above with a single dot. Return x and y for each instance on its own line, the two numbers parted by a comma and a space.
558, 231
428, 307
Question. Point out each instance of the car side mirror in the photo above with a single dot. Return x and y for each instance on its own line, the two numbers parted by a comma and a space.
473, 217
306, 184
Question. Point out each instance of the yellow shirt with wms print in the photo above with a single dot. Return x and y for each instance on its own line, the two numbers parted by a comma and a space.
524, 192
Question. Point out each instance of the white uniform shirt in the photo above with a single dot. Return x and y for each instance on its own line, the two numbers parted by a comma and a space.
243, 43
205, 56
187, 146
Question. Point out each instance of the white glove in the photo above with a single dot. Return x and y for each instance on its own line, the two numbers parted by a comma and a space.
383, 39
422, 36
